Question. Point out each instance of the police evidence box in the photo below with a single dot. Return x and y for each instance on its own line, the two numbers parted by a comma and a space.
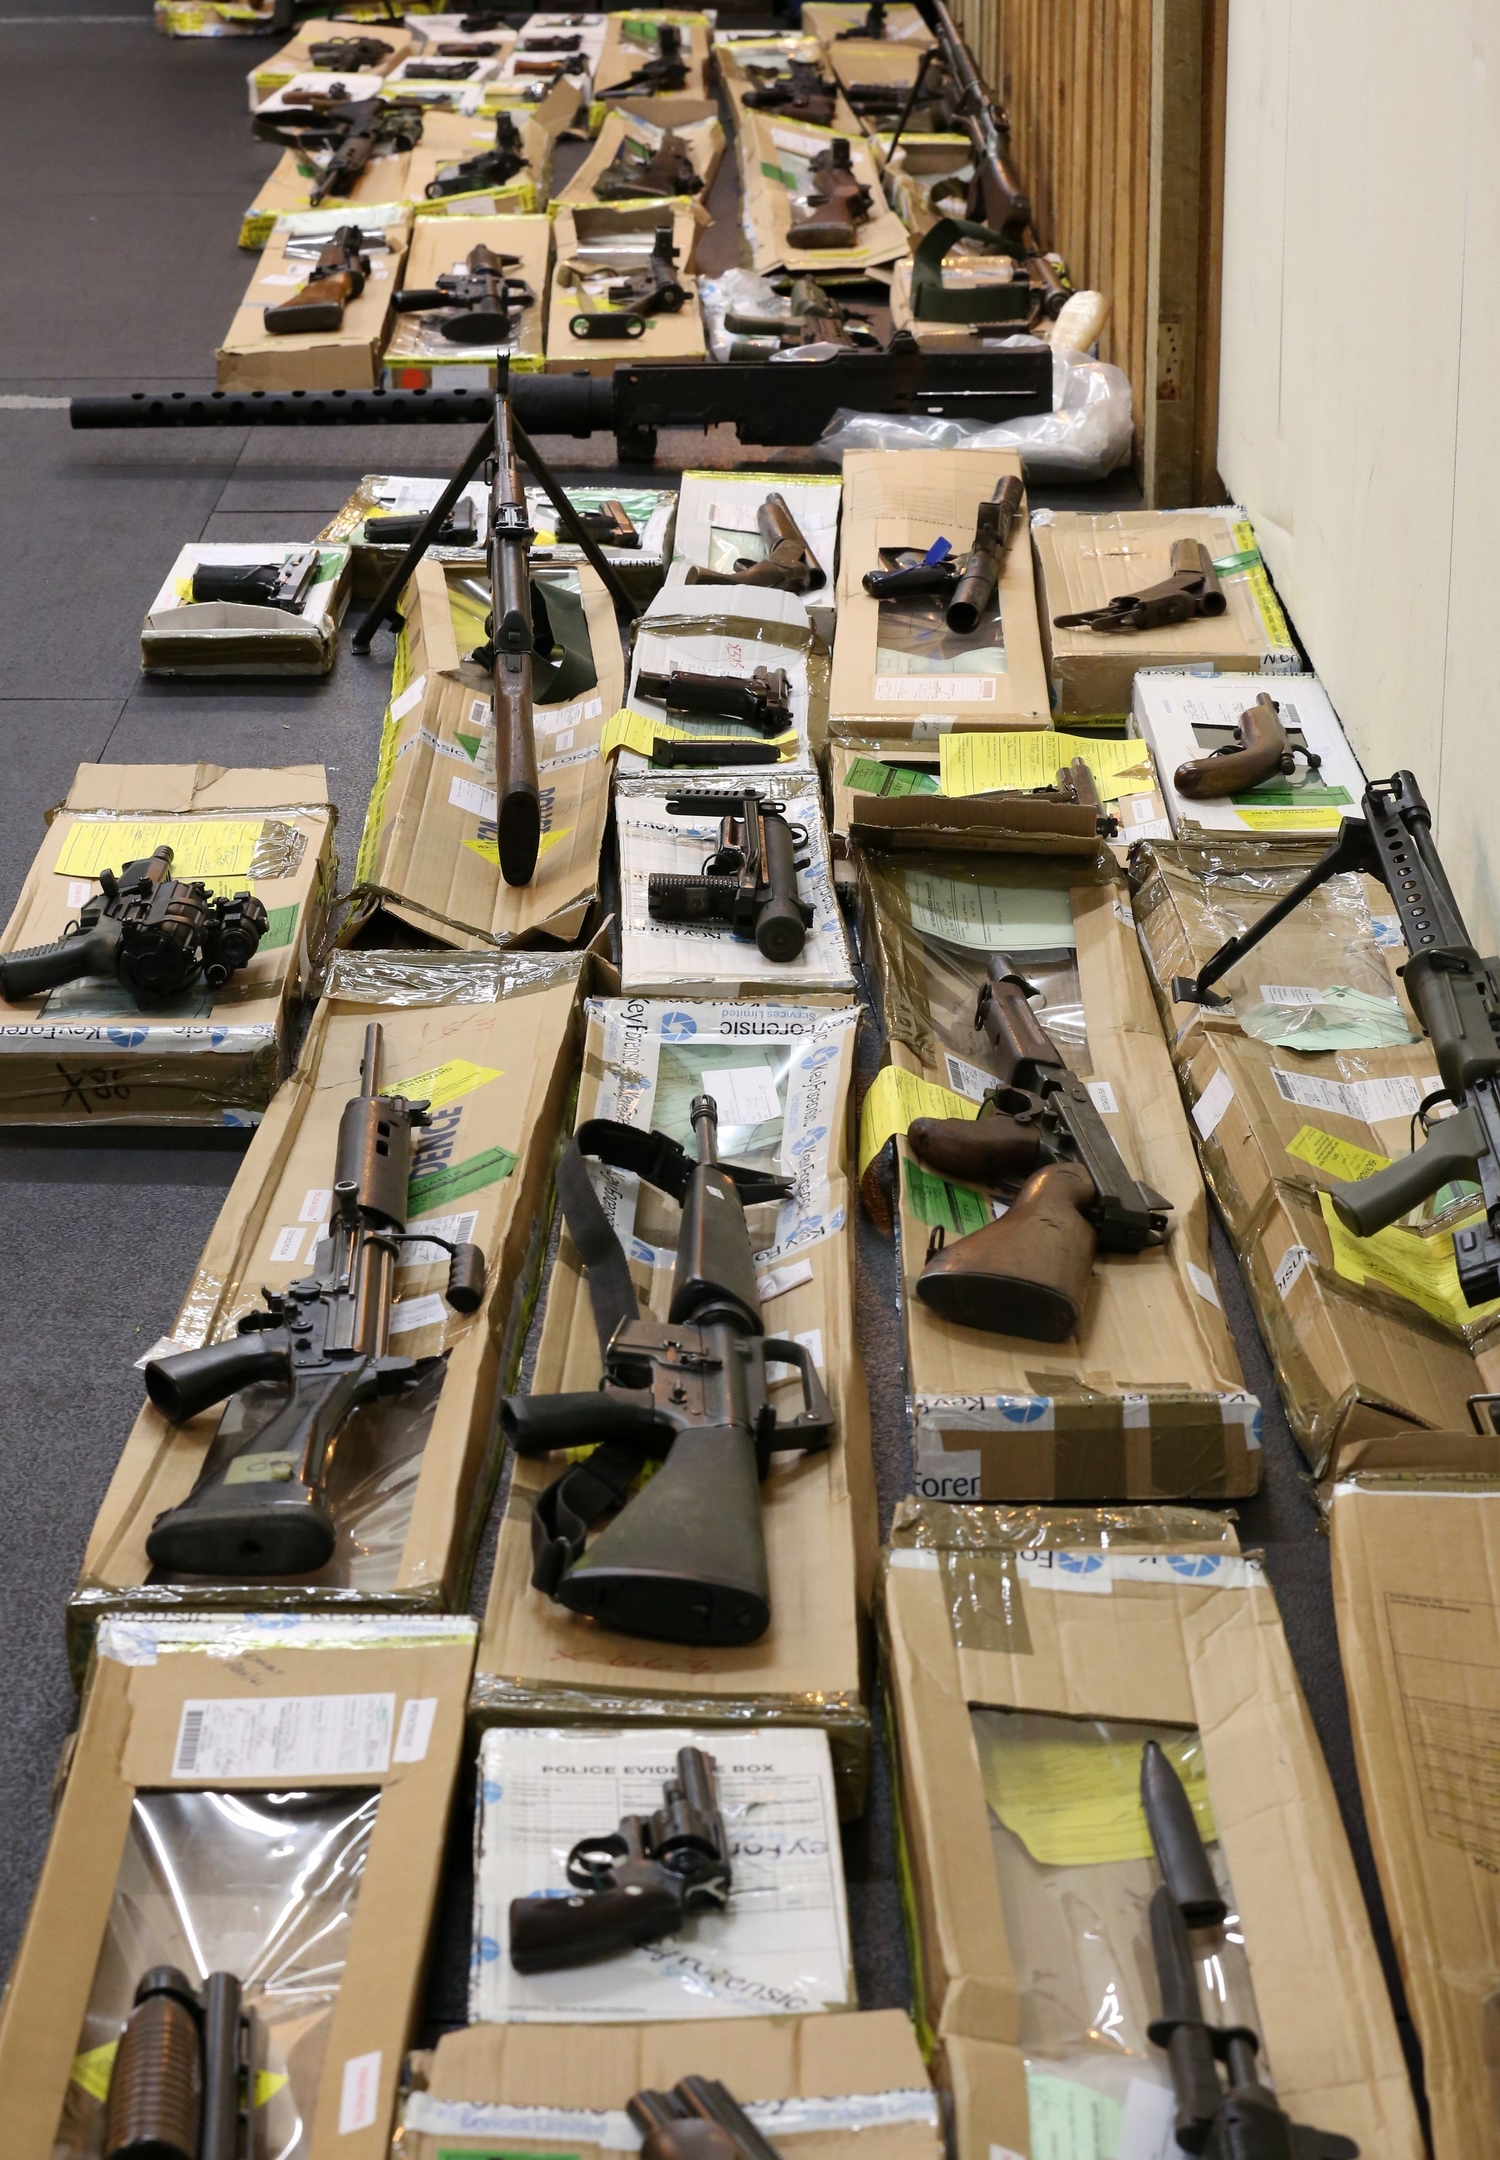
1085, 558
628, 231
1309, 1080
417, 354
266, 1797
897, 668
1413, 1522
732, 632
630, 41
86, 1053
813, 2085
1029, 1659
295, 58
429, 861
188, 637
703, 141
450, 139
348, 358
1146, 1400
490, 1040
1186, 718
776, 169
540, 1664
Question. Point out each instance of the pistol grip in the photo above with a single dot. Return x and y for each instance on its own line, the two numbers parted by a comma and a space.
1028, 1273
551, 1934
44, 967
1451, 1150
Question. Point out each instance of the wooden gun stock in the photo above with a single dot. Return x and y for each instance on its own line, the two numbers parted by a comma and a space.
1260, 750
1028, 1273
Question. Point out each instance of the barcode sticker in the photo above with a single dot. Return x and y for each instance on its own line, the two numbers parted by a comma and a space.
79, 890
458, 1229
782, 1279
1102, 1096
1203, 1283
967, 1079
285, 1736
744, 1094
469, 795
1366, 1100
415, 1729
1288, 994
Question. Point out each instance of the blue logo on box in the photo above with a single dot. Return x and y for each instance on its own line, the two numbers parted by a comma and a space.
126, 1038
1076, 1563
677, 1026
1194, 1565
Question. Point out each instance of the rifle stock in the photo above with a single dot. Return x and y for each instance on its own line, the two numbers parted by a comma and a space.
1027, 1274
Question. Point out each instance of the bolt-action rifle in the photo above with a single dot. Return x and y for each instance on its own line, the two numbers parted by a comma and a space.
490, 168
284, 585
684, 1559
666, 72
1191, 590
749, 883
658, 174
1259, 746
337, 277
477, 309
762, 700
180, 2085
970, 582
699, 2119
837, 201
788, 565
260, 1507
1028, 1273
347, 133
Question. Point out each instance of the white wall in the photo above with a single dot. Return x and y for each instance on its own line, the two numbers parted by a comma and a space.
1360, 389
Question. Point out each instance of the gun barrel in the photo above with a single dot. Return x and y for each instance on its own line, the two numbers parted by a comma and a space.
517, 788
1180, 1852
371, 1059
713, 2102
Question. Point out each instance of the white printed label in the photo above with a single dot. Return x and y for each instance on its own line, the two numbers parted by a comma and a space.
917, 1558
1102, 1096
1288, 994
745, 1094
359, 2097
1289, 1267
967, 1079
481, 713
1367, 1101
1212, 1103
935, 689
417, 1312
468, 795
782, 1279
810, 1339
1203, 1283
949, 1475
285, 1736
317, 1204
79, 890
415, 1729
410, 698
288, 1242
458, 1229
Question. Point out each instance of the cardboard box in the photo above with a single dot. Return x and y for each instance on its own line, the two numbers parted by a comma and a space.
666, 336
921, 164
85, 1053
450, 138
177, 1842
1146, 1401
429, 860
183, 636
996, 678
840, 21
532, 2085
776, 157
1085, 558
417, 355
717, 530
1413, 1524
210, 18
630, 41
493, 1039
1002, 1674
714, 630
251, 358
1190, 717
379, 194
702, 139
542, 1665
295, 58
746, 62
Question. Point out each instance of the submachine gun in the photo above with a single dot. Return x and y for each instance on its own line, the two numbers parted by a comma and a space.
970, 582
667, 71
260, 1507
749, 883
684, 1559
1456, 996
478, 307
1028, 1273
180, 2085
490, 168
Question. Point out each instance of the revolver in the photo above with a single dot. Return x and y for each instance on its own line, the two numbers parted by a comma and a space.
749, 882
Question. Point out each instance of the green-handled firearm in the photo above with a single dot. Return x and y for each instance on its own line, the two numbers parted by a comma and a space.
260, 1506
684, 1558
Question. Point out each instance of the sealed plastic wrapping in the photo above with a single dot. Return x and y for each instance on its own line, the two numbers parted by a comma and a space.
714, 630
202, 638
1144, 1399
1312, 1076
417, 351
490, 1040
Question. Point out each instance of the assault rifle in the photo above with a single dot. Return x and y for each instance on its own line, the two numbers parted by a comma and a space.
1241, 2118
259, 1506
284, 585
667, 72
348, 132
660, 173
684, 1559
479, 309
1191, 590
802, 93
837, 201
155, 934
337, 277
490, 168
762, 700
749, 883
788, 565
1028, 1273
181, 2081
357, 55
699, 2119
1456, 996
636, 1884
970, 584
652, 288
1259, 746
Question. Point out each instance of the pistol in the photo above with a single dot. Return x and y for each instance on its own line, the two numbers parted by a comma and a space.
700, 2119
358, 55
803, 93
636, 1884
284, 585
460, 528
478, 308
762, 700
838, 202
788, 565
873, 25
749, 882
666, 72
490, 168
180, 2086
1191, 590
337, 277
659, 174
1258, 747
609, 522
439, 70
816, 319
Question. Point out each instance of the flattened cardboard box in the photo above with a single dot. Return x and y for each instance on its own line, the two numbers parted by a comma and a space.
893, 797
348, 358
813, 2085
540, 1664
1146, 1401
371, 1710
85, 1053
775, 156
1161, 1632
630, 41
379, 192
702, 139
665, 337
295, 58
417, 355
750, 63
451, 138
913, 501
492, 1040
1414, 1522
1085, 559
429, 856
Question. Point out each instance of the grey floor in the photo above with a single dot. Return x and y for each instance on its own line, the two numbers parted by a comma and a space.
126, 159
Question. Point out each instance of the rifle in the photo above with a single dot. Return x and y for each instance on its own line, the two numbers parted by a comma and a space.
459, 528
817, 319
284, 585
440, 71
491, 168
788, 565
350, 132
684, 1560
508, 656
659, 174
261, 1508
804, 93
357, 55
155, 934
1456, 996
873, 25
180, 2086
667, 72
1239, 2120
1027, 1274
837, 201
1192, 590
970, 584
653, 288
762, 700
483, 304
1258, 747
337, 277
637, 1884
700, 2119
749, 882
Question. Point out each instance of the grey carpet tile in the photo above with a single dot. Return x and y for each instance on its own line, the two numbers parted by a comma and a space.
42, 743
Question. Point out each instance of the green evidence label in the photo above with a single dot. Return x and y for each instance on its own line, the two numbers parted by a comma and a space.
454, 1180
867, 776
280, 924
959, 1208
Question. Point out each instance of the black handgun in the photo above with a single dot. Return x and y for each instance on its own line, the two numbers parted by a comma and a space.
180, 2085
749, 882
490, 168
155, 934
762, 700
1191, 590
439, 70
699, 2119
609, 522
284, 585
477, 309
788, 565
637, 1884
658, 174
536, 41
460, 528
337, 277
359, 55
666, 72
802, 93
873, 25
653, 289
